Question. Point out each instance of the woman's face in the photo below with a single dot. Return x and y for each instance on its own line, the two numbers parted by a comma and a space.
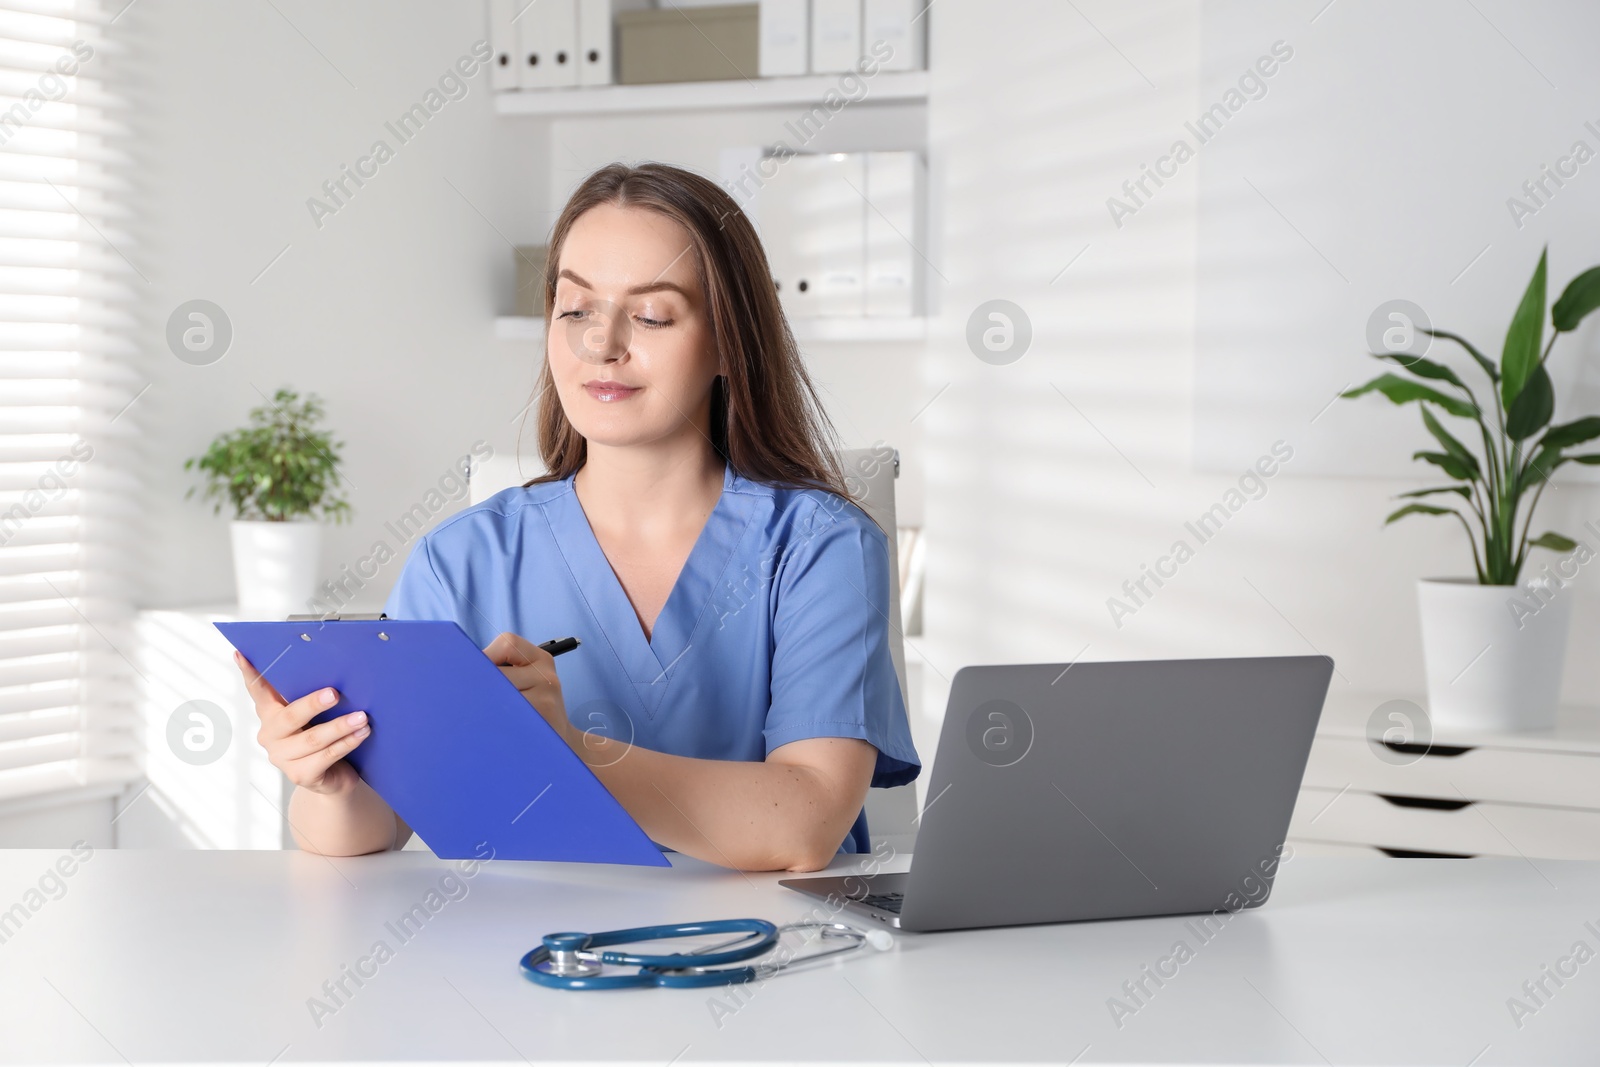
629, 346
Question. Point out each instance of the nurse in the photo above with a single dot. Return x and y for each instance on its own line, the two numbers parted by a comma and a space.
734, 688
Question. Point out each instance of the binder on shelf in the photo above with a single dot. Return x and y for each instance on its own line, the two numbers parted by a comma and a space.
597, 38
503, 39
547, 33
813, 223
556, 25
594, 42
530, 52
902, 25
785, 28
894, 234
778, 222
835, 35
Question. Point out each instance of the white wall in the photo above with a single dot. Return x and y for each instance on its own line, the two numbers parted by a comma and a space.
1380, 161
386, 311
1038, 509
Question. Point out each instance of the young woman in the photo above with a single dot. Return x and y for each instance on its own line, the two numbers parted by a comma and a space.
734, 688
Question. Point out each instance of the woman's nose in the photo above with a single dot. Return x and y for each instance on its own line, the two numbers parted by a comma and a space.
601, 336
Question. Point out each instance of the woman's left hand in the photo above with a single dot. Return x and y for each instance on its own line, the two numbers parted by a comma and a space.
533, 671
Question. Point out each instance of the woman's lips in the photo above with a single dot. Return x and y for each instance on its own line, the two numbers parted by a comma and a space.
608, 392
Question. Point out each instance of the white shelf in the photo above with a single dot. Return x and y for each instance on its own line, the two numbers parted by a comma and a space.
525, 328
732, 94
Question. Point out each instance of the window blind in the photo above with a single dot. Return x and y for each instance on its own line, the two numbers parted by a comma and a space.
68, 421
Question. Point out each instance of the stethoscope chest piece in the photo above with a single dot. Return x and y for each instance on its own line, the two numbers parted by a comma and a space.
561, 959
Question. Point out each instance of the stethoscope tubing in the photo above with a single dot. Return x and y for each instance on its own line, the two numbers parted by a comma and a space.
574, 960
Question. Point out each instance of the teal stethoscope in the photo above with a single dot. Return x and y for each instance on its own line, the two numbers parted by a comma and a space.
576, 960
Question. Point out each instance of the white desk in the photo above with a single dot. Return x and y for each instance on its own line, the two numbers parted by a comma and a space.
158, 957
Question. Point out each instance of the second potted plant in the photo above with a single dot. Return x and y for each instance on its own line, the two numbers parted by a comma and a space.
1495, 643
278, 473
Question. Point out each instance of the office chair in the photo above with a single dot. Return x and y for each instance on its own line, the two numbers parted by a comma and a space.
870, 474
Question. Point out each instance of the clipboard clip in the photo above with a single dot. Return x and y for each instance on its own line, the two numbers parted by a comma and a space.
334, 616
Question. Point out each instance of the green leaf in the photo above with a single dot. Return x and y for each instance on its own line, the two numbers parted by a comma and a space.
1532, 408
1540, 468
1553, 541
1451, 445
1571, 433
1524, 337
1581, 296
1591, 459
1419, 509
1423, 368
1460, 490
1447, 463
1483, 361
1402, 390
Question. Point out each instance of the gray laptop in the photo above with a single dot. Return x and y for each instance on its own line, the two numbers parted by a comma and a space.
1101, 791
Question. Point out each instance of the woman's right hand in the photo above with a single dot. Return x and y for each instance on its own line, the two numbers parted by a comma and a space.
313, 759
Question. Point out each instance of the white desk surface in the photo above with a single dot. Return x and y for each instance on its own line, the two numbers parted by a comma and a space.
166, 957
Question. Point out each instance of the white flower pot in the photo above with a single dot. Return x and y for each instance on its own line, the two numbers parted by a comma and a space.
1494, 653
275, 565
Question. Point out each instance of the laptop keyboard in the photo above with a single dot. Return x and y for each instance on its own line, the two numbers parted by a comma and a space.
889, 902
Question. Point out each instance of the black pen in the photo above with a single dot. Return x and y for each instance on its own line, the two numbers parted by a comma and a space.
560, 645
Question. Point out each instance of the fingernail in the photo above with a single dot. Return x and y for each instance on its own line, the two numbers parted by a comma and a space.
328, 697
363, 732
358, 718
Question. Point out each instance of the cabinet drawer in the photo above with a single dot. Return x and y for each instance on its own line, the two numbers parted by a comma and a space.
1483, 828
1522, 776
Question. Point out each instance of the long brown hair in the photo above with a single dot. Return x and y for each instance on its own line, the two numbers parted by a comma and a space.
766, 420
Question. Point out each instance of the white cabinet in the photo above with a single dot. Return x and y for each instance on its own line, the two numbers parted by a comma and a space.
1533, 794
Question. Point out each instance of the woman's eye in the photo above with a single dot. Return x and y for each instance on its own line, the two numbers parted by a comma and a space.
652, 323
571, 314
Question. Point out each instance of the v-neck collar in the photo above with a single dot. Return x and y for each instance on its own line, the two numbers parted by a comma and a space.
650, 664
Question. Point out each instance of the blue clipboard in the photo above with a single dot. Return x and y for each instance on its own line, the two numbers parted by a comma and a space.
455, 748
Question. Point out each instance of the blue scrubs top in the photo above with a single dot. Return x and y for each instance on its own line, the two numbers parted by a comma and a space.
777, 628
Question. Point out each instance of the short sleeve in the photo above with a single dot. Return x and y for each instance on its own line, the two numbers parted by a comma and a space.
420, 593
832, 671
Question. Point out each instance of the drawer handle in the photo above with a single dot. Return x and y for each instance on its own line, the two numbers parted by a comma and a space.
1423, 748
1434, 803
1418, 854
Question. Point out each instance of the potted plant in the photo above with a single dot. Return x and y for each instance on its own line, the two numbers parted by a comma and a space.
1494, 644
278, 473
